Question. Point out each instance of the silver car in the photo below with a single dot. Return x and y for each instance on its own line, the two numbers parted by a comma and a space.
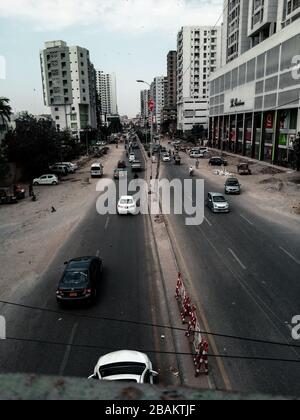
232, 186
217, 203
125, 366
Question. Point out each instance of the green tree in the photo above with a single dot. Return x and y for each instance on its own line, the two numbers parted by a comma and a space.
5, 111
34, 144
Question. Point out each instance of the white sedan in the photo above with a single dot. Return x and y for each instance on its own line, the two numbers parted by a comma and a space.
46, 180
126, 205
125, 365
166, 158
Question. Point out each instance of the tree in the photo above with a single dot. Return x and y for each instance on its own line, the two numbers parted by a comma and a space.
33, 145
5, 111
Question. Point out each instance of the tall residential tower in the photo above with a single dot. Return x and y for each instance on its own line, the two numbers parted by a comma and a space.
69, 86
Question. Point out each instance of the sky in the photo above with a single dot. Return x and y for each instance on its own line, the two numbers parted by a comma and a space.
128, 37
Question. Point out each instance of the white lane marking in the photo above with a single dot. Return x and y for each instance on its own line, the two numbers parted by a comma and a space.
247, 220
237, 259
207, 221
68, 351
290, 255
106, 223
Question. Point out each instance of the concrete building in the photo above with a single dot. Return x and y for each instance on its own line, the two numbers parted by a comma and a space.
169, 112
235, 39
157, 93
255, 99
198, 55
107, 94
69, 85
145, 97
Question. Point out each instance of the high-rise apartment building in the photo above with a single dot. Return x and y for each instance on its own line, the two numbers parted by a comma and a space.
145, 97
169, 112
198, 56
107, 94
69, 85
255, 98
157, 93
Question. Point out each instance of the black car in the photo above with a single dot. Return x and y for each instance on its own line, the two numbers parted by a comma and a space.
80, 280
218, 161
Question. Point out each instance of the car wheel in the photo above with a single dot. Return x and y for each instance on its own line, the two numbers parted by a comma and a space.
35, 184
54, 183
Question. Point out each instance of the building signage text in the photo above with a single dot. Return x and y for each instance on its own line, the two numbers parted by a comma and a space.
235, 102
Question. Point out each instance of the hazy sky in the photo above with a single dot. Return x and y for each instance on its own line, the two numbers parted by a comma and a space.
128, 37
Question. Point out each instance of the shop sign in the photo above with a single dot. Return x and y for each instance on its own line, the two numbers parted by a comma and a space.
269, 121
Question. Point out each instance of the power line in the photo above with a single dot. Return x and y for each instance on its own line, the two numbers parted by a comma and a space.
94, 347
147, 324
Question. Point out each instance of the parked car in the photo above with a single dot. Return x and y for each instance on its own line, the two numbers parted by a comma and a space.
218, 161
46, 180
119, 173
166, 157
243, 169
126, 205
80, 280
217, 203
125, 366
6, 196
232, 186
59, 169
96, 170
122, 164
19, 192
195, 154
73, 166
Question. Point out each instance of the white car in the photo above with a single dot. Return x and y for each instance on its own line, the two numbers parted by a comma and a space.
72, 166
166, 158
125, 365
46, 180
96, 170
131, 158
126, 205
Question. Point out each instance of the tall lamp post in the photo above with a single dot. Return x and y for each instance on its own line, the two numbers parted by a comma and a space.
151, 113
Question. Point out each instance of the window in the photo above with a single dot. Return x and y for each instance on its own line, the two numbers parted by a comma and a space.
57, 117
272, 61
251, 70
260, 69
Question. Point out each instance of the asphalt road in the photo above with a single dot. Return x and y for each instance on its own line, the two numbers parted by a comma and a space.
129, 291
244, 271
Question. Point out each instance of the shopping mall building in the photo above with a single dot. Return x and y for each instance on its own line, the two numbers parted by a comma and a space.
255, 95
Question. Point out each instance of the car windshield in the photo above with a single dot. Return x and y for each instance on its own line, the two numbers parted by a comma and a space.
232, 182
126, 201
125, 368
75, 278
219, 199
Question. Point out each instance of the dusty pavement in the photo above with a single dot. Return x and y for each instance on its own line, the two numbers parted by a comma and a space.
31, 234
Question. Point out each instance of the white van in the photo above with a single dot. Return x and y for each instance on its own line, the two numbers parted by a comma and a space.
96, 170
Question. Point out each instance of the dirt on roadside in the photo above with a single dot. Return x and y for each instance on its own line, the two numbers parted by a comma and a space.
31, 233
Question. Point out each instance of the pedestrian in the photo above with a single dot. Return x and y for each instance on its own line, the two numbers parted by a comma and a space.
30, 189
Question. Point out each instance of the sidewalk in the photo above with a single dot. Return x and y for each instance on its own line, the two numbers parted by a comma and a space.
255, 161
169, 269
